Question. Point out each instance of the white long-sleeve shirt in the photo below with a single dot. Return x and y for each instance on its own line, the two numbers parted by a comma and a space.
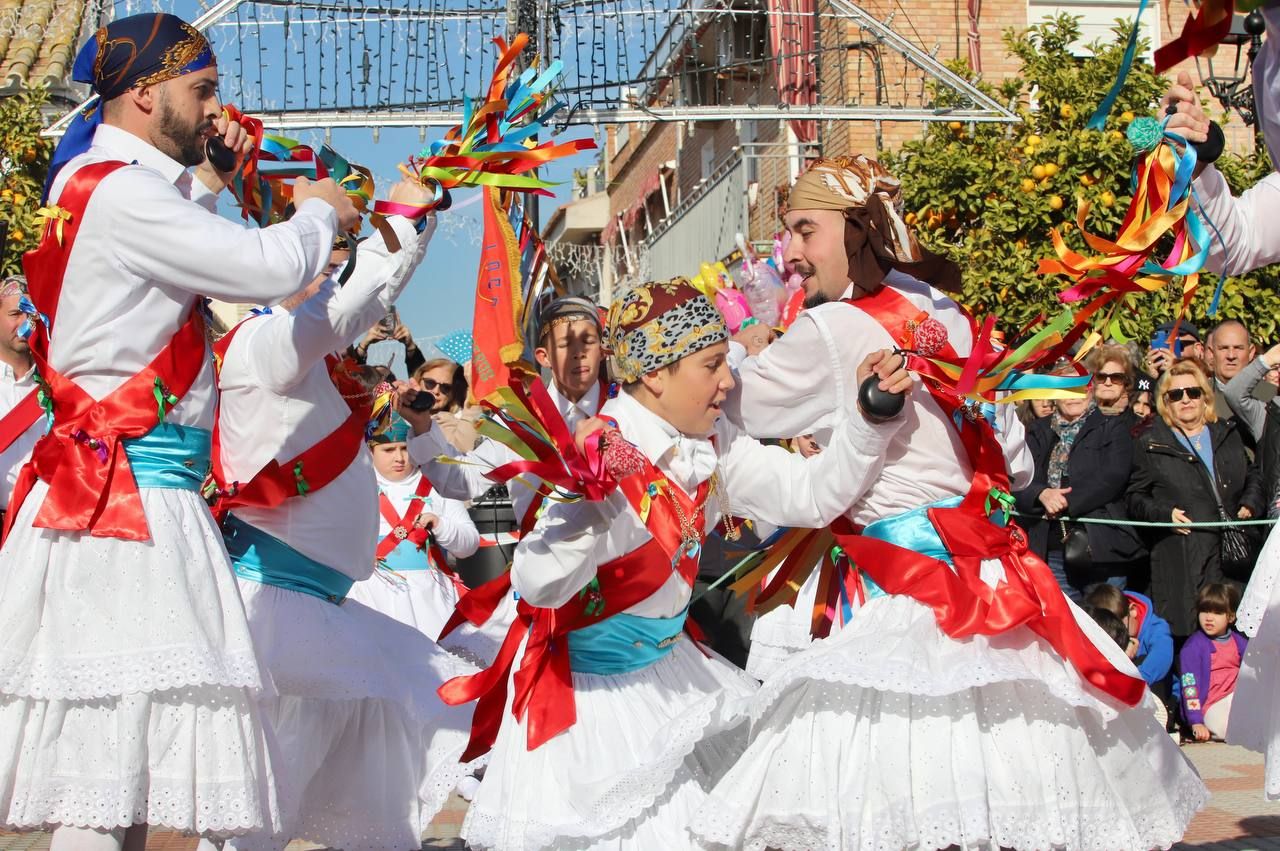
278, 401
571, 540
1241, 235
808, 379
456, 533
149, 246
467, 480
13, 389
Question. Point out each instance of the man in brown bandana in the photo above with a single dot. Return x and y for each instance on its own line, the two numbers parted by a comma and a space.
903, 730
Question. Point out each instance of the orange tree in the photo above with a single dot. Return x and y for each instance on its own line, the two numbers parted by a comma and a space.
988, 194
24, 161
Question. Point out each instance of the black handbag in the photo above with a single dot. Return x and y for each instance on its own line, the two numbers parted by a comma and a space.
1236, 550
1075, 546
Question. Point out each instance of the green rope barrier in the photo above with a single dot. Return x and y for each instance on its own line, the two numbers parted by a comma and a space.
1101, 521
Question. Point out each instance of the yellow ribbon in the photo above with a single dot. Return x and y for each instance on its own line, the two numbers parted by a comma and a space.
53, 214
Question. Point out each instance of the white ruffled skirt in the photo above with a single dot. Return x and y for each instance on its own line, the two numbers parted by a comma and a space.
367, 751
629, 774
778, 635
892, 735
425, 600
1255, 710
128, 678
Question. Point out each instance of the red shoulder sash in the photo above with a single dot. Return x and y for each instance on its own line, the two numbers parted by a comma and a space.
91, 486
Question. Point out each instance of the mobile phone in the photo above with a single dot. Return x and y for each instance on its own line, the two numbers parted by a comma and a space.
391, 320
1161, 341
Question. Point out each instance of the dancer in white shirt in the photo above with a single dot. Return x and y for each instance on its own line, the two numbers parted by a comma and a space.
417, 529
616, 725
128, 677
967, 703
22, 420
367, 753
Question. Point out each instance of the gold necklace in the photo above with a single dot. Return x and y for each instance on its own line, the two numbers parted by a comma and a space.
690, 534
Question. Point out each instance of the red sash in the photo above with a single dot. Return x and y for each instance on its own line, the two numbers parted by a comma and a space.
309, 471
23, 416
544, 682
91, 486
962, 603
403, 528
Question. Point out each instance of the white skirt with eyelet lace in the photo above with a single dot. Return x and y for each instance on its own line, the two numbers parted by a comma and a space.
892, 735
128, 679
367, 753
1255, 711
779, 634
629, 774
424, 600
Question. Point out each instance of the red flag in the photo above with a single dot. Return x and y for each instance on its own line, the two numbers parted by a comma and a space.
499, 342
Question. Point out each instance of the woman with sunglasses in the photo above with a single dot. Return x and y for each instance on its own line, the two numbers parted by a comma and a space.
1184, 466
1081, 470
1112, 381
446, 383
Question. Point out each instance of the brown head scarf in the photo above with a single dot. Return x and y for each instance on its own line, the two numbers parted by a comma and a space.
876, 238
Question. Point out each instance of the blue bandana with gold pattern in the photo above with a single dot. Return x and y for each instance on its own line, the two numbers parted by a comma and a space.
139, 50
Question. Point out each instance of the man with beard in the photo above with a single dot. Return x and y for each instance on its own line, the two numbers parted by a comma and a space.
21, 420
127, 672
911, 726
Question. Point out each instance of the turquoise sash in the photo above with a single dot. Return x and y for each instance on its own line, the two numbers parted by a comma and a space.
913, 530
407, 557
170, 456
623, 643
260, 557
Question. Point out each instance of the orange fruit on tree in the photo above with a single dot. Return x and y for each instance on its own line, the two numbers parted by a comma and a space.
1028, 185
1108, 198
1055, 202
1050, 169
1038, 172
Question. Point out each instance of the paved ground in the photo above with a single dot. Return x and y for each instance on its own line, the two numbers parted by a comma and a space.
1237, 818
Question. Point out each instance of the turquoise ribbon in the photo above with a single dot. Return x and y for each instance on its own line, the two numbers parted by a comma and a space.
623, 643
1099, 118
170, 456
263, 558
406, 557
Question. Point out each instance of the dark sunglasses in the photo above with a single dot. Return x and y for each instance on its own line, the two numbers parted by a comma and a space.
1175, 395
432, 384
1110, 378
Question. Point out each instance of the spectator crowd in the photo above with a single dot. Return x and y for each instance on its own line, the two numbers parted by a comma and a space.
1134, 495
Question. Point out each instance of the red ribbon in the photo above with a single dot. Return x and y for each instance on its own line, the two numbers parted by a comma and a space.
91, 486
962, 603
544, 683
317, 466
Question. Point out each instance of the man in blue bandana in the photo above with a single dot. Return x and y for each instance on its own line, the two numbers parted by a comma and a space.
129, 683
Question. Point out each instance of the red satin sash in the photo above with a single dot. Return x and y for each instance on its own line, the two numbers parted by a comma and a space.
544, 682
312, 469
403, 528
91, 486
962, 603
22, 417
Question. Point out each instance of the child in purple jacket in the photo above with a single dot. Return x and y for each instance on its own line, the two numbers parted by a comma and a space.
1210, 662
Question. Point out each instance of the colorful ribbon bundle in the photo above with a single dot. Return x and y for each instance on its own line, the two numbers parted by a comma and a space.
1161, 210
259, 186
495, 146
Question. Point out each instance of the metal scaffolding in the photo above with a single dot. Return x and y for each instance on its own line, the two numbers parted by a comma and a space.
411, 63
